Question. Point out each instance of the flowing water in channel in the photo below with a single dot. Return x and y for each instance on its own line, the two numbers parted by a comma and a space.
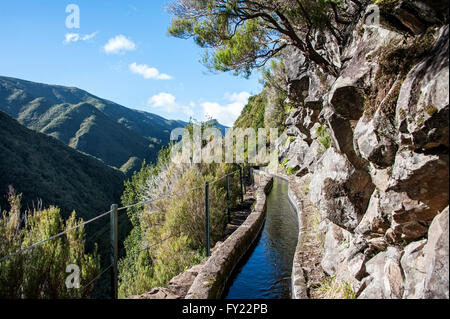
265, 272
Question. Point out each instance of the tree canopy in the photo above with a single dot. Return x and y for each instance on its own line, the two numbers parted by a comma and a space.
241, 35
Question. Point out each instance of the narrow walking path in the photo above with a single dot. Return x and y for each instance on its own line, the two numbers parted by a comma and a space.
240, 214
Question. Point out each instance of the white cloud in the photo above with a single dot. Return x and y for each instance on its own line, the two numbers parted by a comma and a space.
71, 37
228, 113
75, 37
119, 44
165, 101
148, 72
168, 103
89, 36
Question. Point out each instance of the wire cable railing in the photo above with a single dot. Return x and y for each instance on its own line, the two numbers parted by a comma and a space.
86, 286
113, 214
54, 236
159, 198
98, 277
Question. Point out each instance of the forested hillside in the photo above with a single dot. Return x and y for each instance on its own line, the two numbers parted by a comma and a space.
119, 136
42, 167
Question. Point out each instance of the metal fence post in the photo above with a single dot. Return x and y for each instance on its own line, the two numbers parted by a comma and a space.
207, 218
243, 181
242, 184
228, 198
114, 250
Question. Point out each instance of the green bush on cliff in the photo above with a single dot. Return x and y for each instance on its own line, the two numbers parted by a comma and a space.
324, 137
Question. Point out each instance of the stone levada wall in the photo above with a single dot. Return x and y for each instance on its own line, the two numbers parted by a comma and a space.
213, 277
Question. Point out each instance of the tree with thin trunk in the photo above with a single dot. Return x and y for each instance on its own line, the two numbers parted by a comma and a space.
242, 35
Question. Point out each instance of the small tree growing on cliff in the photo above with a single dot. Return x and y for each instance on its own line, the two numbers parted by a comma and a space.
245, 34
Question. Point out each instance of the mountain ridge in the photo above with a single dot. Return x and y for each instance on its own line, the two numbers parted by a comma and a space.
43, 168
70, 114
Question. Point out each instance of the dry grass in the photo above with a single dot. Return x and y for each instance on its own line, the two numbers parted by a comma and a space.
331, 288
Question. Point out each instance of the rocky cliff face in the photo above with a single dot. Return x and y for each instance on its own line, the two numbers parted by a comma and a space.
375, 143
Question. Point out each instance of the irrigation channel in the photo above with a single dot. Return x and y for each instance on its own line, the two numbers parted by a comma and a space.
265, 272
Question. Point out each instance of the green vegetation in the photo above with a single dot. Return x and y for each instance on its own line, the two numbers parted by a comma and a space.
243, 35
290, 170
431, 109
267, 109
331, 288
396, 59
119, 136
131, 166
420, 119
315, 218
276, 87
168, 235
48, 172
305, 190
41, 272
324, 137
253, 113
43, 168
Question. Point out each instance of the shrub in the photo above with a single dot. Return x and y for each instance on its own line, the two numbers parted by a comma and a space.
323, 137
169, 234
41, 272
173, 259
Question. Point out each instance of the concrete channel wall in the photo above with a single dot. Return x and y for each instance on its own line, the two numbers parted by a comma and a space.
213, 277
298, 281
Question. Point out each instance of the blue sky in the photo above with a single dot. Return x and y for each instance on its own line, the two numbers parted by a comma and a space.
121, 52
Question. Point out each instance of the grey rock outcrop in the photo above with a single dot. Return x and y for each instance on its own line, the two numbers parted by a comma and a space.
436, 258
382, 181
374, 140
422, 107
341, 191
